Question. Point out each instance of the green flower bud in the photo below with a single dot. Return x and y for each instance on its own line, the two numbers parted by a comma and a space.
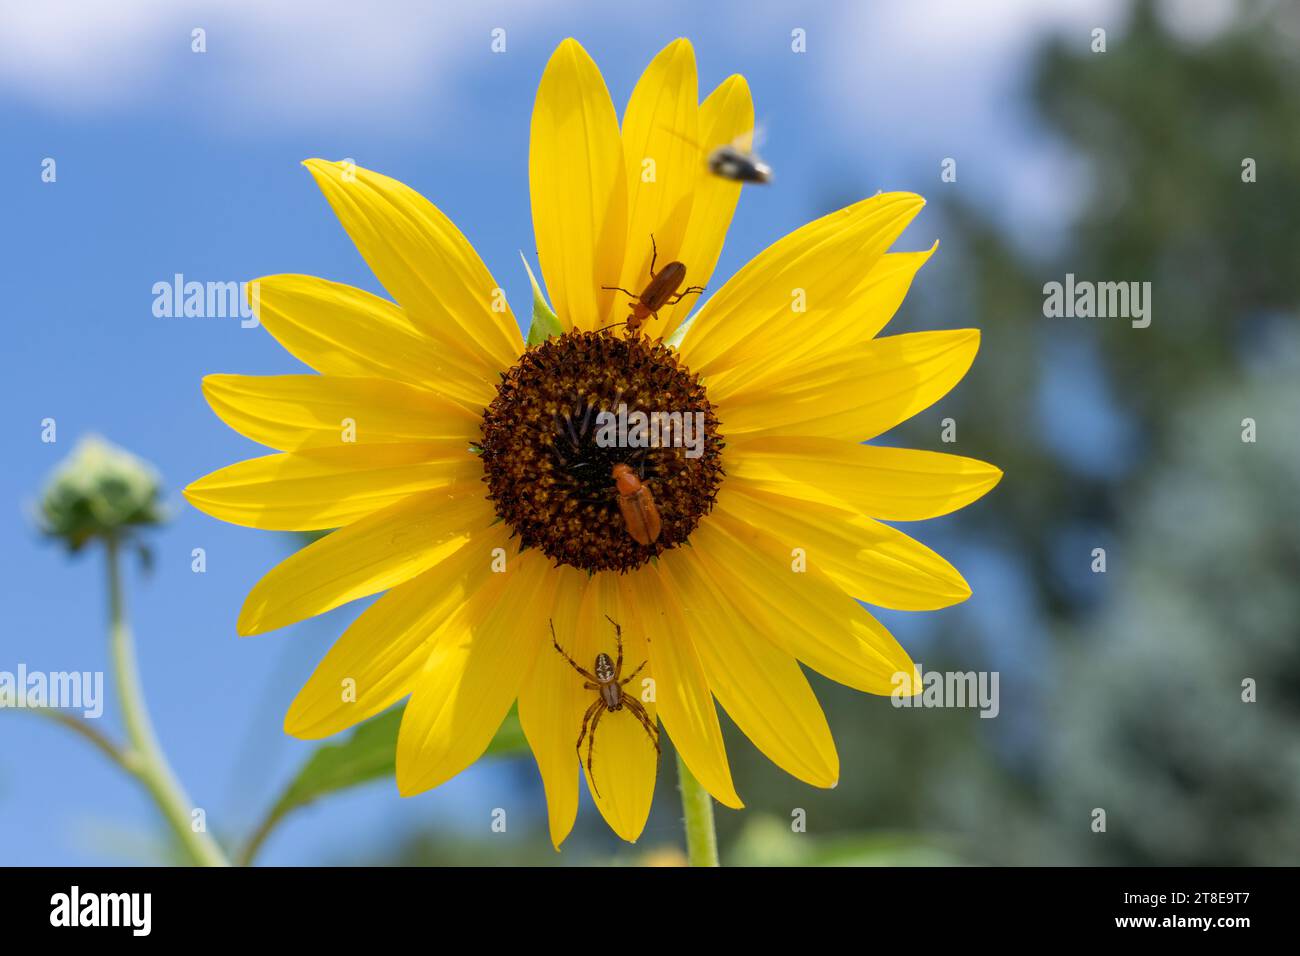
99, 491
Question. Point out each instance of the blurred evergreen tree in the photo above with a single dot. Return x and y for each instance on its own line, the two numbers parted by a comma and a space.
1153, 725
1199, 593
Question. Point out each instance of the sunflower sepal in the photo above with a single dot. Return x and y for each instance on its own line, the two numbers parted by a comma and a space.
545, 322
674, 341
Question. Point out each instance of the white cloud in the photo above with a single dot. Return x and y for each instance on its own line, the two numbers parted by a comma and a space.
1196, 21
289, 60
940, 78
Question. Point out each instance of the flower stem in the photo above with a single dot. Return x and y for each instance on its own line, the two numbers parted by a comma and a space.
144, 756
697, 807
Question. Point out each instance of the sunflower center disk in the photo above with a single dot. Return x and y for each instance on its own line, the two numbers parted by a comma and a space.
574, 407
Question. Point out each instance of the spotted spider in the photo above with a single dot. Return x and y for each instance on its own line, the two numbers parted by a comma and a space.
609, 682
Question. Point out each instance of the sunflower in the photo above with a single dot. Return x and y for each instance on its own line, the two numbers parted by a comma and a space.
462, 474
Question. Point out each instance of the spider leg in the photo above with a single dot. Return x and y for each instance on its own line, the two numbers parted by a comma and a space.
596, 705
618, 637
585, 719
591, 743
640, 668
639, 711
572, 663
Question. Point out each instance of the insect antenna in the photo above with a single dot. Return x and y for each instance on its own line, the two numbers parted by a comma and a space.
619, 288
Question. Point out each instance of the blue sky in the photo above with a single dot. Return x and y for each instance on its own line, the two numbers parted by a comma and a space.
171, 162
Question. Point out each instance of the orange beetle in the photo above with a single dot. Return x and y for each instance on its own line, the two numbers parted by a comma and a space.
659, 292
638, 506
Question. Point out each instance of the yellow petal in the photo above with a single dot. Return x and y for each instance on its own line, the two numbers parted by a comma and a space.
551, 696
339, 330
327, 487
373, 554
726, 117
291, 412
858, 394
858, 316
475, 667
800, 281
869, 560
578, 186
374, 664
623, 758
424, 262
681, 688
660, 145
806, 614
895, 484
759, 685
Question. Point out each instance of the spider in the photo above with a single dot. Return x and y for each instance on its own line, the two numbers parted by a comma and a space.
609, 681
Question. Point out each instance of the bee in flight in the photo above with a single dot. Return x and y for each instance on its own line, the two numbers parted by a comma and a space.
737, 160
739, 165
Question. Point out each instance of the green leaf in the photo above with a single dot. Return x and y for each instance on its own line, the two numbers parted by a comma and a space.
370, 753
545, 323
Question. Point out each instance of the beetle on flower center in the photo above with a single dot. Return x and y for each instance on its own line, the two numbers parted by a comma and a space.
560, 488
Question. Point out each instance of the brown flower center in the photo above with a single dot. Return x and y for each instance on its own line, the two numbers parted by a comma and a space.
566, 414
